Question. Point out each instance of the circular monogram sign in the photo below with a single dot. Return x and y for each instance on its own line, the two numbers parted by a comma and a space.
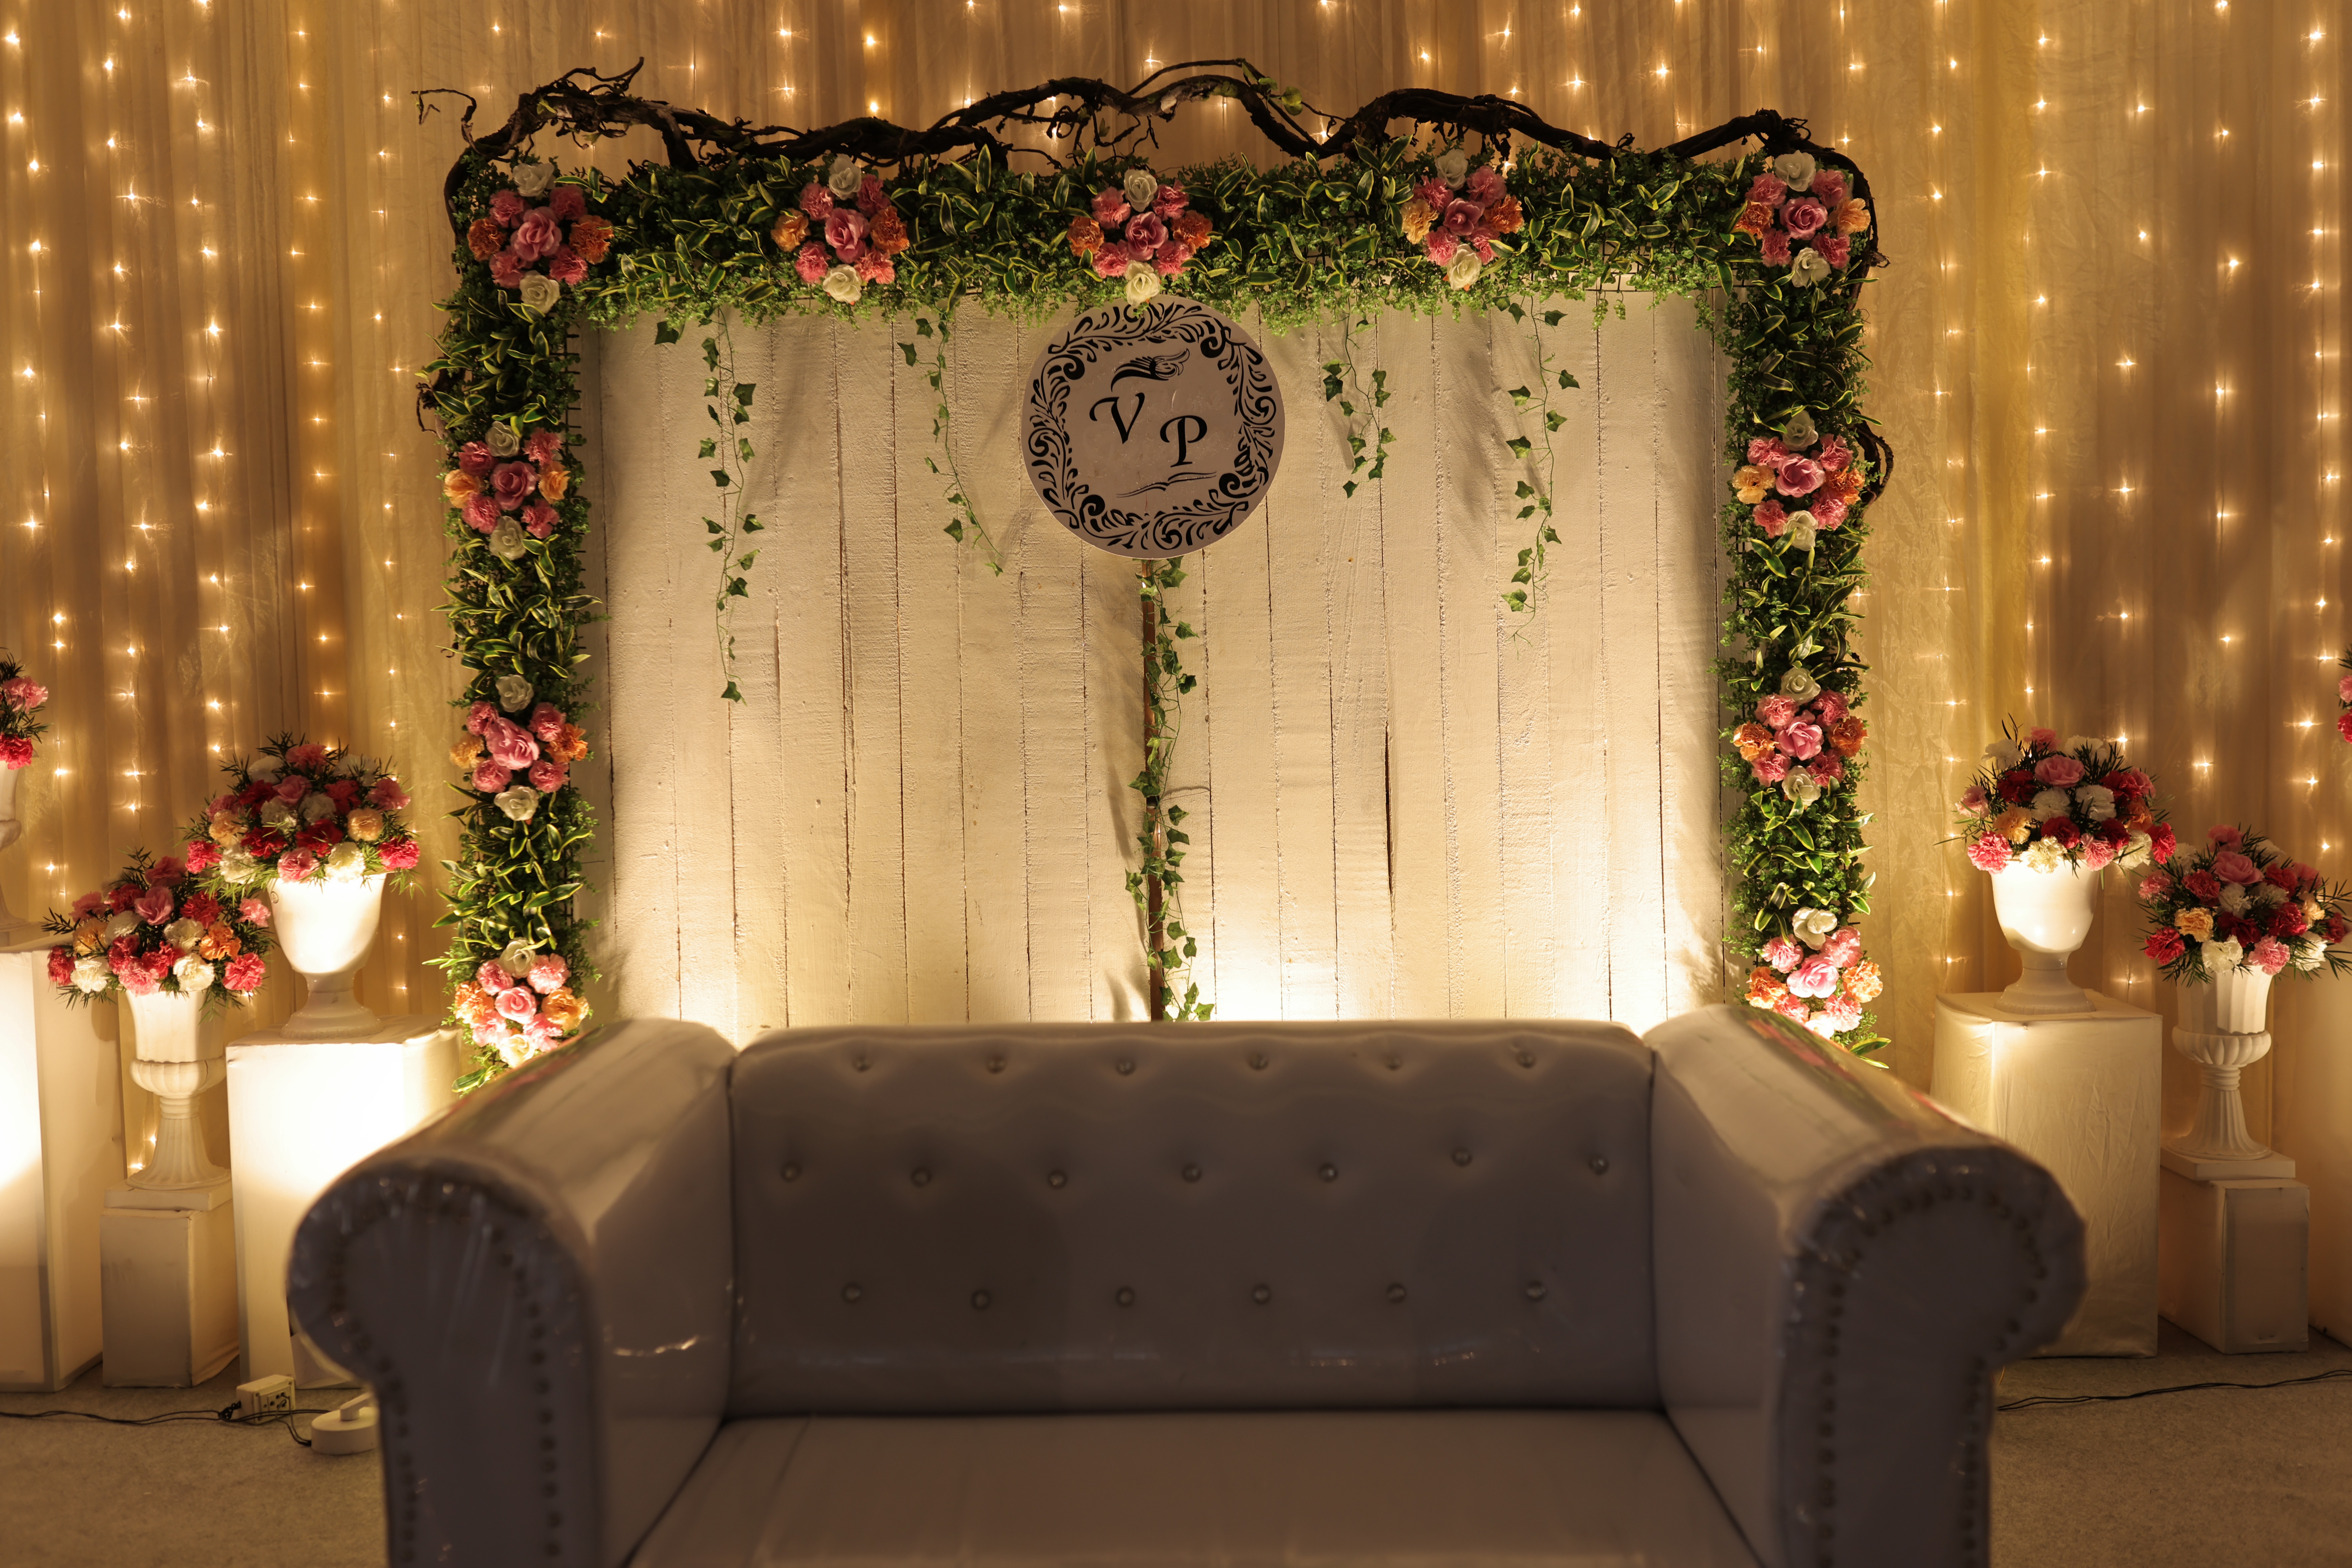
1152, 429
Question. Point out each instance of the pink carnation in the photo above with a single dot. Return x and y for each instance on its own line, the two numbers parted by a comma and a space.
2226, 835
1484, 186
1775, 246
1772, 517
1171, 257
1783, 954
548, 973
538, 519
1771, 767
567, 266
1972, 800
1776, 711
1830, 705
816, 202
1829, 514
387, 795
2042, 739
1836, 249
1834, 455
1768, 452
475, 458
2059, 772
1167, 202
548, 776
292, 790
295, 864
2096, 852
1816, 977
480, 513
812, 263
401, 856
1439, 246
1828, 768
2154, 885
1829, 187
870, 198
1843, 947
546, 721
1111, 259
1110, 208
1843, 1012
154, 906
507, 206
1435, 191
253, 911
1768, 189
2344, 690
873, 266
479, 716
489, 777
2228, 865
1793, 1007
1462, 216
1990, 851
492, 976
245, 972
89, 903
2269, 956
490, 1033
570, 201
540, 1032
506, 269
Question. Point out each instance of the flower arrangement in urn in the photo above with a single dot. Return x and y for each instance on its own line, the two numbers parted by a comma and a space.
535, 250
2043, 804
844, 232
20, 698
1803, 217
2238, 903
1139, 232
158, 928
1456, 214
303, 811
1819, 977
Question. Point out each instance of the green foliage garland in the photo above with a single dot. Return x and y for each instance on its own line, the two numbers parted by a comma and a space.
1312, 239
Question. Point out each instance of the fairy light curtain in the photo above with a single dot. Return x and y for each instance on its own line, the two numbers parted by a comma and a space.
2164, 426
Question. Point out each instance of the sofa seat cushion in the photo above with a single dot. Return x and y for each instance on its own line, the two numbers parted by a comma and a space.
1290, 1487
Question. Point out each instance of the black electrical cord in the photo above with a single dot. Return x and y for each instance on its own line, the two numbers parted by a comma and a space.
228, 1414
2036, 1400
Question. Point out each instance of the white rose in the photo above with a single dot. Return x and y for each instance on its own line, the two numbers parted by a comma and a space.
1463, 269
518, 803
1797, 168
1800, 684
1142, 282
514, 693
2049, 803
1454, 168
2004, 754
532, 179
2308, 952
2042, 854
91, 975
1803, 530
2220, 956
539, 292
843, 285
516, 959
1799, 432
183, 934
2096, 799
122, 923
2233, 898
1142, 185
845, 178
316, 805
195, 976
1807, 267
506, 540
346, 863
1813, 926
505, 442
1801, 788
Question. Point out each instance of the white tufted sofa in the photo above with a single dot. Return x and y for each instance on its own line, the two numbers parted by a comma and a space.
1229, 1294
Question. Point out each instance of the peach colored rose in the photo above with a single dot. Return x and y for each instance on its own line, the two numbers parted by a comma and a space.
1852, 217
1418, 216
466, 752
554, 482
366, 825
791, 230
456, 485
563, 1010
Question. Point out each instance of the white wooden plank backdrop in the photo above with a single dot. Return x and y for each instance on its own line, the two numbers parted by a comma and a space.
1404, 801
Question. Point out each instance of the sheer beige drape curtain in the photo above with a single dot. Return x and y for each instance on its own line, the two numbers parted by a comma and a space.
2108, 349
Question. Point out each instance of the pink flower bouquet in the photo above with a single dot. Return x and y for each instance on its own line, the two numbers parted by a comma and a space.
845, 233
517, 750
1799, 484
1456, 214
301, 810
507, 481
2240, 903
157, 928
2047, 803
20, 698
1139, 232
1818, 977
1803, 217
536, 250
520, 1003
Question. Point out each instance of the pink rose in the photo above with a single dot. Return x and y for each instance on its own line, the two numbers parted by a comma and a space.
517, 1003
1972, 800
1171, 259
2059, 772
479, 716
507, 206
1772, 768
489, 777
1800, 477
812, 263
1843, 947
1831, 706
295, 864
510, 745
548, 973
292, 790
1801, 216
1146, 234
547, 721
1111, 259
1834, 455
1110, 208
2228, 865
1836, 249
1829, 514
1800, 740
548, 776
1439, 246
1772, 517
570, 201
253, 911
512, 482
1829, 188
1484, 186
1776, 712
816, 202
401, 856
475, 458
154, 906
1775, 246
1462, 216
2269, 956
480, 514
1167, 202
2226, 835
1783, 954
1816, 977
538, 519
1988, 852
537, 235
845, 231
2043, 738
506, 269
1768, 189
568, 266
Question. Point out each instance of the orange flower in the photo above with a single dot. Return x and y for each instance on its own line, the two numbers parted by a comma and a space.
468, 751
570, 743
565, 1009
1764, 988
1853, 217
486, 239
90, 936
790, 230
1754, 219
1193, 229
1863, 982
457, 485
1505, 217
1416, 219
1847, 733
1086, 235
1846, 485
219, 942
1752, 739
553, 480
2016, 824
474, 1004
592, 236
889, 231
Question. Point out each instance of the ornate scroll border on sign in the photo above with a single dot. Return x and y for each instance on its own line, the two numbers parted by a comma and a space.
1483, 203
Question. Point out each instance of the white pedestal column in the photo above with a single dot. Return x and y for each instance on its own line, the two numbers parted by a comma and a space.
2083, 1094
2236, 1259
168, 1261
61, 1149
301, 1112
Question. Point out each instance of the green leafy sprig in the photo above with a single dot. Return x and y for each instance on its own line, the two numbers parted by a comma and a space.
964, 526
1158, 885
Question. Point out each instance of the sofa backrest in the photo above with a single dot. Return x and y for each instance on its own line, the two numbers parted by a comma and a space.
1087, 1217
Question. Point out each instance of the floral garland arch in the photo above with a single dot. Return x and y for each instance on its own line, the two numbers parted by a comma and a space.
1483, 204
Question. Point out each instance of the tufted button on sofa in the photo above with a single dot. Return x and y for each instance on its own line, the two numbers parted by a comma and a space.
1470, 1292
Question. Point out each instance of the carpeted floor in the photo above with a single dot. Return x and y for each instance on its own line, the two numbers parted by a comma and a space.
2180, 1481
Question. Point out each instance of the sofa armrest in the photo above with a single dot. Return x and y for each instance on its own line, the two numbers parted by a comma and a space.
1842, 1267
537, 1286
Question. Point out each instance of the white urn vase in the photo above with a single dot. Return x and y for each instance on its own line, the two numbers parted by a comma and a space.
2222, 1030
14, 928
325, 929
172, 1062
2044, 915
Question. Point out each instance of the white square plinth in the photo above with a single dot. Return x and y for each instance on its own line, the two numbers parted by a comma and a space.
2083, 1094
169, 1268
2237, 1262
61, 1149
300, 1112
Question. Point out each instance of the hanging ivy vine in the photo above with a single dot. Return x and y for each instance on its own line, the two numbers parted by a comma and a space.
726, 227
